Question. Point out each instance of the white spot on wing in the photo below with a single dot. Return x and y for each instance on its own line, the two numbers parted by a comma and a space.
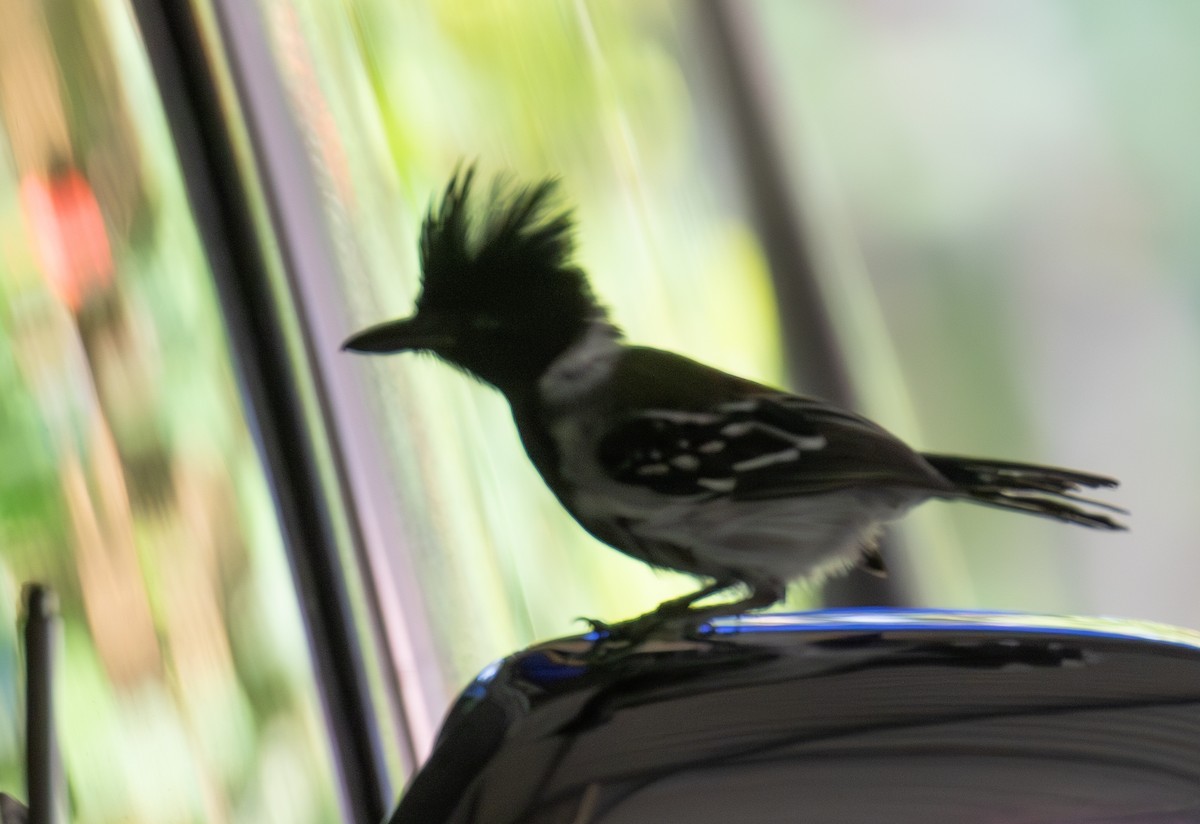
717, 484
680, 416
685, 462
653, 469
809, 443
769, 459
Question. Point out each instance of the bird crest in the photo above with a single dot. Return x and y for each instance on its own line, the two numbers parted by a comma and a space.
510, 256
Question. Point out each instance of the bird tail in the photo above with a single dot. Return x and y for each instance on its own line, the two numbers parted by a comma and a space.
1039, 490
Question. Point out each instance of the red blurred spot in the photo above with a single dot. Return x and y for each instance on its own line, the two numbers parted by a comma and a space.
68, 234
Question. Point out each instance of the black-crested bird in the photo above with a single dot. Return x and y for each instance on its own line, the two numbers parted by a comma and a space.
675, 463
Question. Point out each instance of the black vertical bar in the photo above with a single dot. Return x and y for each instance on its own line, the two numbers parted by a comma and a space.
805, 323
205, 151
41, 752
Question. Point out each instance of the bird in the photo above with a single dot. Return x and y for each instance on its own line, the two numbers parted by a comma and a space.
675, 463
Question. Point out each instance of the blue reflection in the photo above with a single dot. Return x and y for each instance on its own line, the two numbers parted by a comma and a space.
935, 620
543, 668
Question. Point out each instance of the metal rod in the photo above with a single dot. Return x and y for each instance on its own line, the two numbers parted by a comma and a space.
42, 776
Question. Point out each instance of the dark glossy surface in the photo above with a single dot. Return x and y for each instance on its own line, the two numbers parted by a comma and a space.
838, 716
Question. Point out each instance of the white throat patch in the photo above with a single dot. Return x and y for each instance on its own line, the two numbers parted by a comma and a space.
586, 364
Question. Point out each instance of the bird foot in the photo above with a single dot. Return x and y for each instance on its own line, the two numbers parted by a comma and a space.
674, 620
616, 641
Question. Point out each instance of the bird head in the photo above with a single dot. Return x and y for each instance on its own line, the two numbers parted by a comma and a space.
500, 297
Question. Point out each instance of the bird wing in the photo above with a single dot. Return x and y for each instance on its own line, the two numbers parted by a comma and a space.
752, 443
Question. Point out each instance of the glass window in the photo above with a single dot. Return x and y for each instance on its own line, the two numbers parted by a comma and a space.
471, 555
1007, 197
130, 482
938, 156
993, 203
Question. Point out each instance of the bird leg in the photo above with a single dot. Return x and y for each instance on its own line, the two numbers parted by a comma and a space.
637, 630
681, 607
762, 595
679, 614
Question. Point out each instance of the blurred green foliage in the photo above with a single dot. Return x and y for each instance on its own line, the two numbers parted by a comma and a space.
130, 482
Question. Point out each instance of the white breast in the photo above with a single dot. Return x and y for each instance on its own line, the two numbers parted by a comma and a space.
584, 366
809, 537
576, 408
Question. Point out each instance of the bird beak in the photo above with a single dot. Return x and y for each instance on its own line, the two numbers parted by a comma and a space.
406, 334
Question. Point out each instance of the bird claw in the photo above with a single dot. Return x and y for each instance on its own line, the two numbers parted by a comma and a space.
616, 641
601, 628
